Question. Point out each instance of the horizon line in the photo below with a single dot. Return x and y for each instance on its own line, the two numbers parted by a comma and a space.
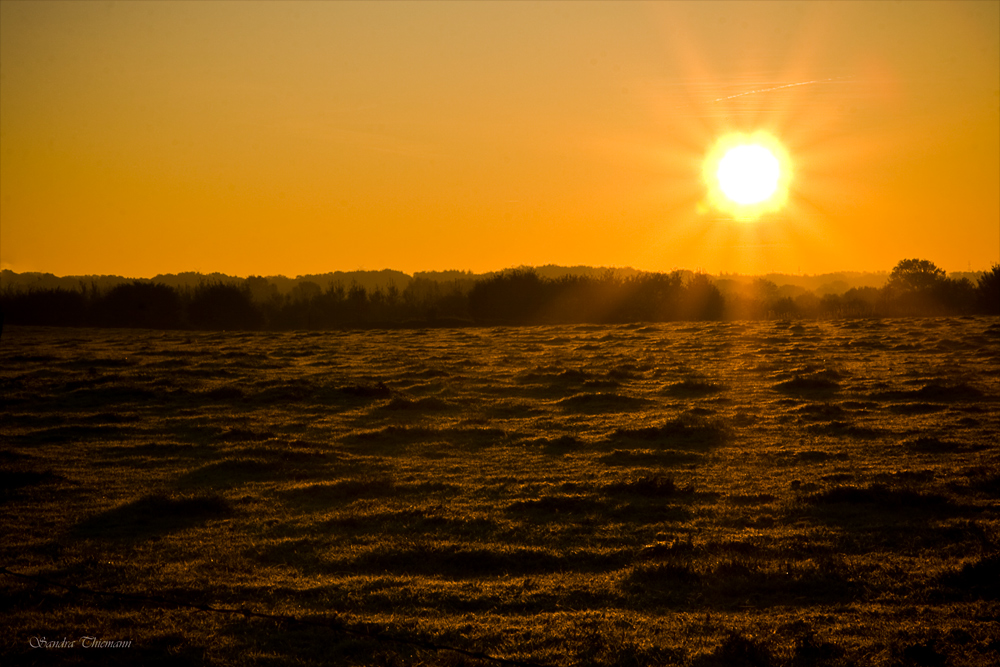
475, 274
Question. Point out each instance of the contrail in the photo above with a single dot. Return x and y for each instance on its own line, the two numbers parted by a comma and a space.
767, 90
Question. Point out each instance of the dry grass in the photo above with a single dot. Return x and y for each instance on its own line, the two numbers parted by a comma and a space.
719, 494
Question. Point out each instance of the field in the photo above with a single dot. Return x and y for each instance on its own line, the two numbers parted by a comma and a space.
750, 493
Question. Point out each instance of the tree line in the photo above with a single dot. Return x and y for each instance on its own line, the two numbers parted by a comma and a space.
915, 287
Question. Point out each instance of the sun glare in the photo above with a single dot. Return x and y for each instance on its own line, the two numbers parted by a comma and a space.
747, 175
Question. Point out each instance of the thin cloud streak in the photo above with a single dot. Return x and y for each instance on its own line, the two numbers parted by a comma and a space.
767, 90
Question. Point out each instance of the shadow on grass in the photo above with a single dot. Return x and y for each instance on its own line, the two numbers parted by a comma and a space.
648, 485
232, 472
818, 384
602, 402
558, 507
560, 446
256, 458
974, 580
460, 561
15, 483
305, 392
691, 388
841, 429
641, 457
75, 433
635, 500
401, 436
878, 514
322, 496
154, 514
736, 580
739, 651
932, 445
936, 392
819, 412
684, 433
881, 498
454, 560
427, 404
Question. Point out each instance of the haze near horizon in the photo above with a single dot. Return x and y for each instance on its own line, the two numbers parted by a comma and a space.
296, 138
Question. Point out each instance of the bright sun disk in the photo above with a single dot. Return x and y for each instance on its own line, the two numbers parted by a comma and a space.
748, 174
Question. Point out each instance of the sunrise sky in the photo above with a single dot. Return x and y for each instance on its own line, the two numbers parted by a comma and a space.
290, 138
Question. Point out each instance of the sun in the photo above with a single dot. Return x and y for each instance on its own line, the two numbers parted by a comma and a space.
747, 175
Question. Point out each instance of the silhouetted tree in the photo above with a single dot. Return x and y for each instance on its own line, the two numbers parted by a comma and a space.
261, 289
44, 307
224, 306
860, 302
268, 300
702, 299
914, 275
831, 305
575, 299
807, 304
356, 305
651, 297
956, 296
988, 291
305, 291
513, 297
918, 287
140, 305
519, 296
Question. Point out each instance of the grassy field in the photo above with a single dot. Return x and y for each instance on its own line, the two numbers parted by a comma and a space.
765, 493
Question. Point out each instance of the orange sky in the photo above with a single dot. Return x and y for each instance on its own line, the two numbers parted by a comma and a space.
293, 138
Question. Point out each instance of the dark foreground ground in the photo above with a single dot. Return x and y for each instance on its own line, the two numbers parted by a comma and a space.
772, 493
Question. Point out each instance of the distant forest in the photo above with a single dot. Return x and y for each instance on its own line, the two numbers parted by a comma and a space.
543, 295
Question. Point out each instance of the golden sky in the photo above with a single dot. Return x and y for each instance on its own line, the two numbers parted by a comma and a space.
139, 138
